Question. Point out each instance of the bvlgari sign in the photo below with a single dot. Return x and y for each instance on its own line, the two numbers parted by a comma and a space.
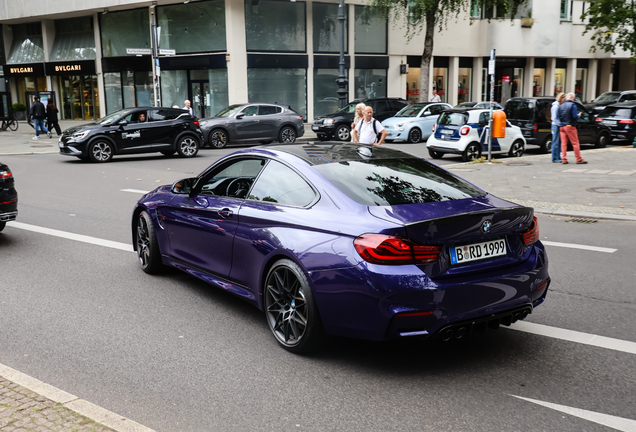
24, 69
68, 68
77, 67
21, 70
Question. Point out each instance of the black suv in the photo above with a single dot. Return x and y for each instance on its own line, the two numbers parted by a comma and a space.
608, 98
134, 130
338, 124
533, 116
621, 119
8, 196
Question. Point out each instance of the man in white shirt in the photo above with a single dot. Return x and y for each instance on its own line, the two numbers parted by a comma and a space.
187, 106
366, 131
435, 97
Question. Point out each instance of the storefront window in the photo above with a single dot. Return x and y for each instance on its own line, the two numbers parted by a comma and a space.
193, 27
74, 39
464, 84
174, 87
327, 28
413, 85
559, 81
285, 86
325, 87
144, 88
370, 31
208, 89
275, 25
538, 82
439, 82
27, 46
580, 86
127, 29
370, 83
112, 91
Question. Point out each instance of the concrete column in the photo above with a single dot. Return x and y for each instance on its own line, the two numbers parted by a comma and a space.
7, 36
549, 77
98, 67
310, 61
592, 76
570, 76
237, 50
395, 82
351, 41
453, 80
528, 77
607, 77
48, 38
478, 65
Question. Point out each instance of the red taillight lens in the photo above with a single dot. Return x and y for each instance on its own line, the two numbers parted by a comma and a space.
627, 121
413, 314
536, 128
464, 130
434, 127
5, 174
300, 118
390, 250
598, 120
196, 122
531, 235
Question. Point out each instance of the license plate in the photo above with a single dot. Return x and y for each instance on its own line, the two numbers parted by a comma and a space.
446, 132
315, 128
477, 251
609, 122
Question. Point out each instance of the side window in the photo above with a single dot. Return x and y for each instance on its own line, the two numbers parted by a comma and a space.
281, 185
585, 116
395, 105
483, 119
268, 110
628, 97
380, 106
435, 109
233, 179
250, 111
136, 117
162, 114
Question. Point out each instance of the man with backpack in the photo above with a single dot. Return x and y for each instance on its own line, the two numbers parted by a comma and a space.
369, 130
568, 115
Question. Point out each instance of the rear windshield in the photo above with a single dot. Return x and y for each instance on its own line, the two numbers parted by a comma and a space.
386, 182
453, 119
625, 113
521, 109
608, 97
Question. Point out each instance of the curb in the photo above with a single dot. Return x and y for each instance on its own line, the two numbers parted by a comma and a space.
73, 403
592, 215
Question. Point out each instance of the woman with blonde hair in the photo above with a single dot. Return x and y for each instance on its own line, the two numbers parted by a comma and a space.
358, 116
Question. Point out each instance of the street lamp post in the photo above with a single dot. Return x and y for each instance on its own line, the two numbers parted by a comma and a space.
342, 78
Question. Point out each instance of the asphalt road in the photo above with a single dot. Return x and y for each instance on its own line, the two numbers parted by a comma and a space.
175, 354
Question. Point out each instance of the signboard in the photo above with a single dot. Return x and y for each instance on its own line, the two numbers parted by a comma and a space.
24, 69
138, 51
491, 67
77, 67
167, 51
505, 79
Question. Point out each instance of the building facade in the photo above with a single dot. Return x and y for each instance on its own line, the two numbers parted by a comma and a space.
95, 57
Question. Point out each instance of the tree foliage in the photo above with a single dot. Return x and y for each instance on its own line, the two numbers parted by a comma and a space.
612, 24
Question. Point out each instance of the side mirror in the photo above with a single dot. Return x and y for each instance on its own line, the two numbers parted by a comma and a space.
240, 116
123, 122
183, 187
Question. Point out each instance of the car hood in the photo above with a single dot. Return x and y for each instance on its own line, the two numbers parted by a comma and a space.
87, 126
395, 120
211, 121
337, 114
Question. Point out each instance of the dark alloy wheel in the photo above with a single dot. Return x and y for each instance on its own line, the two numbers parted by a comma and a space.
188, 146
415, 135
602, 141
218, 139
343, 133
101, 151
516, 149
435, 154
147, 246
290, 308
546, 147
287, 135
472, 152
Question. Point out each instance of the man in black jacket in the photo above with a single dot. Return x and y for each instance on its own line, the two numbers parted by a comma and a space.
39, 114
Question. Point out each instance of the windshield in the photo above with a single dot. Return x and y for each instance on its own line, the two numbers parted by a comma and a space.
229, 111
384, 182
521, 109
608, 97
110, 118
349, 108
625, 113
410, 111
453, 119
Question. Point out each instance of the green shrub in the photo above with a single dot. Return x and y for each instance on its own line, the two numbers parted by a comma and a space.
19, 107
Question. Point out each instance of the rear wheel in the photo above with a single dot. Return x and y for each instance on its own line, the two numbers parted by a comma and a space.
188, 146
415, 135
602, 140
218, 138
13, 124
546, 147
147, 245
101, 151
516, 149
287, 135
2, 225
435, 154
472, 152
343, 133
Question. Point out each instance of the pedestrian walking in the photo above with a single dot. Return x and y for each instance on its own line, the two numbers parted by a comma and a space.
435, 97
359, 115
39, 114
568, 115
51, 118
556, 126
368, 129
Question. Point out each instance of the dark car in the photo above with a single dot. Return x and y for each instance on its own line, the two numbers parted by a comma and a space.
341, 239
533, 116
338, 125
131, 131
621, 119
608, 98
253, 122
8, 196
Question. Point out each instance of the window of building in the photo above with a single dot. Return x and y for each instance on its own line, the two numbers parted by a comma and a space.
440, 76
112, 91
559, 81
327, 28
370, 31
565, 10
475, 9
193, 27
538, 82
174, 87
208, 89
27, 46
283, 86
74, 39
580, 85
325, 88
370, 83
465, 76
126, 29
275, 25
128, 89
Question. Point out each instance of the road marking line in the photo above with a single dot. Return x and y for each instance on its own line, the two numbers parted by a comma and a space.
72, 236
578, 246
618, 423
138, 191
574, 336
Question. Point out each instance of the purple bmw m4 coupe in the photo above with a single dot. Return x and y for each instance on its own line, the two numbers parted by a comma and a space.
341, 239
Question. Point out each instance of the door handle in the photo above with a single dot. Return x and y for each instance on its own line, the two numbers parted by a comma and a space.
256, 121
226, 213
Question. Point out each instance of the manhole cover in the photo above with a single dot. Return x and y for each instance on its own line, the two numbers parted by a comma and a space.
518, 163
41, 146
607, 190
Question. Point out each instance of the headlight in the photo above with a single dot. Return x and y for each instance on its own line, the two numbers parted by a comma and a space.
328, 121
203, 123
80, 135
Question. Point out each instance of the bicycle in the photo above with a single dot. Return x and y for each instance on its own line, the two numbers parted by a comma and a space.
12, 124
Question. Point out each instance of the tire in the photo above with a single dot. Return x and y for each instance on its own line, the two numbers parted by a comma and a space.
323, 137
290, 309
472, 152
343, 133
435, 154
546, 147
218, 138
13, 125
287, 135
415, 135
2, 225
188, 146
167, 153
388, 141
147, 246
516, 149
602, 141
101, 151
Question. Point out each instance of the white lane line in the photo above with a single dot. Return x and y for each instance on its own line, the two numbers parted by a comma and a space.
574, 336
72, 236
618, 423
578, 246
137, 191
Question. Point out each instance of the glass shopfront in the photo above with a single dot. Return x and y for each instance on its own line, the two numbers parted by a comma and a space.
559, 80
193, 27
538, 82
440, 76
580, 83
125, 29
285, 86
370, 31
275, 26
327, 28
79, 97
464, 85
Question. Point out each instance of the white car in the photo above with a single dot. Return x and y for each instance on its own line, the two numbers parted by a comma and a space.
463, 131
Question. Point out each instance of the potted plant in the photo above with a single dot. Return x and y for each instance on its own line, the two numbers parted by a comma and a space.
20, 111
527, 21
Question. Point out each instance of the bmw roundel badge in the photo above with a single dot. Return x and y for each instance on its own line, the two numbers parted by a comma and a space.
485, 227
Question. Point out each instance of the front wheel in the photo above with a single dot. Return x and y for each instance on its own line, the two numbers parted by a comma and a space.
516, 149
218, 139
602, 141
472, 152
415, 135
546, 147
13, 125
435, 154
101, 151
290, 309
343, 133
147, 245
188, 146
287, 135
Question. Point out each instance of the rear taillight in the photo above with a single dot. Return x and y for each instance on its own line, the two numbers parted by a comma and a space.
300, 118
391, 250
196, 122
434, 127
536, 128
598, 120
531, 235
413, 314
6, 174
464, 130
627, 121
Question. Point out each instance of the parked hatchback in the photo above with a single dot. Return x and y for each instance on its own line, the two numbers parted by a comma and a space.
609, 98
621, 119
414, 123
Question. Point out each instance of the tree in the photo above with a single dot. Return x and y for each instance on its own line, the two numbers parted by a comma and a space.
612, 24
435, 12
